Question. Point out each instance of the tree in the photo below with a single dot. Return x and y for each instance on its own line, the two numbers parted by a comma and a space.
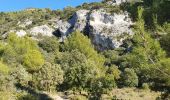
113, 70
102, 85
6, 82
146, 50
20, 75
165, 43
79, 70
49, 44
22, 50
48, 77
33, 60
80, 42
147, 55
4, 69
129, 78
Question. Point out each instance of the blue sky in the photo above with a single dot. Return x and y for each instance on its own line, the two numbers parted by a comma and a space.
15, 5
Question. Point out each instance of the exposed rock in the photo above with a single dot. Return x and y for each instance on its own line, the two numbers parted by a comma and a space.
25, 23
64, 28
44, 30
118, 2
106, 28
21, 33
79, 20
107, 31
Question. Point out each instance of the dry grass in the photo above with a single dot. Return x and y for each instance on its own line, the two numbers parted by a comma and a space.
135, 94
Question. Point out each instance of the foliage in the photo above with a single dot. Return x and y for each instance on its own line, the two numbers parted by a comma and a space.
129, 78
21, 75
75, 64
22, 50
3, 68
145, 86
79, 70
49, 44
165, 43
48, 77
33, 60
113, 70
102, 85
146, 50
78, 41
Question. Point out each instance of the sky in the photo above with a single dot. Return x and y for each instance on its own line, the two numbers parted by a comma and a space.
15, 5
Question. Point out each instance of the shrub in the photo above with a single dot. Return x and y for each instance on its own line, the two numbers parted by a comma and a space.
102, 85
129, 78
48, 77
80, 42
78, 69
145, 86
49, 44
33, 60
22, 50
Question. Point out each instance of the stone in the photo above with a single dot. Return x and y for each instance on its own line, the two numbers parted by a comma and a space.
21, 33
44, 30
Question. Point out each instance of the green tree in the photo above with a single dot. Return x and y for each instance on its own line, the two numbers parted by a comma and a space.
79, 70
80, 42
6, 82
48, 77
165, 43
49, 44
147, 55
146, 50
22, 50
102, 85
129, 78
33, 60
3, 68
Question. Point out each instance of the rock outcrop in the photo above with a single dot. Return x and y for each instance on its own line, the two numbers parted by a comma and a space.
44, 30
21, 33
107, 31
107, 28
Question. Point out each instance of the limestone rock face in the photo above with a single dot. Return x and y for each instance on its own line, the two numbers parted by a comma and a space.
79, 20
25, 23
21, 33
64, 28
107, 28
44, 30
107, 31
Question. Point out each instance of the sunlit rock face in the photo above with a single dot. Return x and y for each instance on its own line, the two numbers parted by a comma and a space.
109, 30
106, 31
43, 30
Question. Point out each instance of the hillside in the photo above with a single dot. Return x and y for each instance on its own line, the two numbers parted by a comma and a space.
109, 50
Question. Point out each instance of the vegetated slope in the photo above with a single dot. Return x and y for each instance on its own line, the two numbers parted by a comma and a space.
94, 51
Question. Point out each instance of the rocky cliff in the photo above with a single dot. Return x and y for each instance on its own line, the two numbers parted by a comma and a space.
106, 30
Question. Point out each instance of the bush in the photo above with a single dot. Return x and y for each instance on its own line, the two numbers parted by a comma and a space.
48, 77
113, 70
22, 50
129, 78
78, 97
145, 86
49, 44
78, 69
80, 42
102, 85
33, 60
